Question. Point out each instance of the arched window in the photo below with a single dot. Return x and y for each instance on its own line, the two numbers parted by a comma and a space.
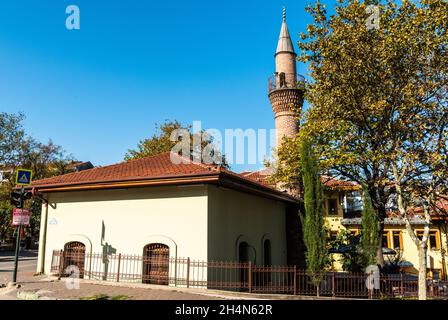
243, 252
74, 256
267, 252
243, 258
156, 261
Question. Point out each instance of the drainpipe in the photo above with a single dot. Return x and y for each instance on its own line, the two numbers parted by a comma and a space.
42, 240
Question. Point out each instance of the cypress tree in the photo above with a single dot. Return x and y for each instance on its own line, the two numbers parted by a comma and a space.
369, 232
313, 223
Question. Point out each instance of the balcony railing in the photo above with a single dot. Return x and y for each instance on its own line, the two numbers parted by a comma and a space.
352, 213
285, 81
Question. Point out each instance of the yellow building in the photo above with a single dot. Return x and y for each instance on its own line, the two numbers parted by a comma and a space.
343, 212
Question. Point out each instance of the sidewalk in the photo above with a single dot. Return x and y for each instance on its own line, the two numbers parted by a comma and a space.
56, 289
43, 287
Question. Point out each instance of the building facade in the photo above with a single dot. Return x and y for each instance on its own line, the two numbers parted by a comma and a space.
191, 210
156, 208
343, 207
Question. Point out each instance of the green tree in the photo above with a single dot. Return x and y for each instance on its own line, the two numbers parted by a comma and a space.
18, 150
314, 232
12, 136
364, 80
164, 141
369, 233
348, 246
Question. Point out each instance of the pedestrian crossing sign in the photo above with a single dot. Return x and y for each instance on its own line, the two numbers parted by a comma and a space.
24, 177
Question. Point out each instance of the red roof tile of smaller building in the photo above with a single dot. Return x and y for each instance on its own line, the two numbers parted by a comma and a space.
329, 182
333, 183
261, 176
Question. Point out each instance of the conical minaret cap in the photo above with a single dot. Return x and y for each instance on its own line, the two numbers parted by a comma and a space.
284, 41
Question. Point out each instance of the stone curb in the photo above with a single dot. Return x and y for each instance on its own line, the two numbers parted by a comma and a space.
29, 295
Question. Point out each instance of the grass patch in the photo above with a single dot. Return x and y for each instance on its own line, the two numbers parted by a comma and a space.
106, 297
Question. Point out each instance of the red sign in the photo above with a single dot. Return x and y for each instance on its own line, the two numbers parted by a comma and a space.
21, 217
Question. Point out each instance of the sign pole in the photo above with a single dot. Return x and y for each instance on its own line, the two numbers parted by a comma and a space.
24, 178
16, 258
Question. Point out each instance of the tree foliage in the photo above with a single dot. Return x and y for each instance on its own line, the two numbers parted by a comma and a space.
163, 141
313, 222
11, 138
19, 150
348, 246
369, 86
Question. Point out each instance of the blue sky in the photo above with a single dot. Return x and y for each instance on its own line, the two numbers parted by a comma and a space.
99, 90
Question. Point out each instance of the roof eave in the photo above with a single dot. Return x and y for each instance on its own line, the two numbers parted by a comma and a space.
220, 178
236, 182
131, 183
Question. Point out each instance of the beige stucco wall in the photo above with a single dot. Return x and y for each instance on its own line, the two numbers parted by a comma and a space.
333, 223
410, 252
175, 216
235, 217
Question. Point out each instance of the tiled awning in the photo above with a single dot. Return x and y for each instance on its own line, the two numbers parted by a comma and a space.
387, 221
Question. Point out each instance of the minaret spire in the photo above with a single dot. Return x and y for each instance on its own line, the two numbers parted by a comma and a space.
284, 41
285, 94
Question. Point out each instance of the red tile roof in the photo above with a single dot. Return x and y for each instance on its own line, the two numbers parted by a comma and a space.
148, 167
438, 210
258, 176
159, 167
333, 183
330, 182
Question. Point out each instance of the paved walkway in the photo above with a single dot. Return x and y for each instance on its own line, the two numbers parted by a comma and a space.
57, 289
27, 265
51, 287
33, 286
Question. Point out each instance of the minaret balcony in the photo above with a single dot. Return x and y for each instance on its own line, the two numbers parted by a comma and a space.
281, 80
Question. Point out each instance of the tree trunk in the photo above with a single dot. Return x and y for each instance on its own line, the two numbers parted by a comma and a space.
379, 251
378, 199
422, 252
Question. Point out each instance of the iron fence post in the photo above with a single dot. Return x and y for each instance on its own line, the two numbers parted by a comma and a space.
295, 280
332, 284
432, 288
90, 265
175, 271
61, 262
401, 284
250, 276
118, 271
188, 272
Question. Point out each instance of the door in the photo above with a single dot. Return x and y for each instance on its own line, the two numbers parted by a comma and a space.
156, 260
74, 255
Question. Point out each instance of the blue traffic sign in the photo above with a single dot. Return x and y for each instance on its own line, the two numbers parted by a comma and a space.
24, 177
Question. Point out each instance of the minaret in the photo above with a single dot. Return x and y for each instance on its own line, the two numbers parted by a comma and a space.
285, 91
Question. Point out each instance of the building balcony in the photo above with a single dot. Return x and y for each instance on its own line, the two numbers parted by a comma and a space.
352, 213
283, 80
